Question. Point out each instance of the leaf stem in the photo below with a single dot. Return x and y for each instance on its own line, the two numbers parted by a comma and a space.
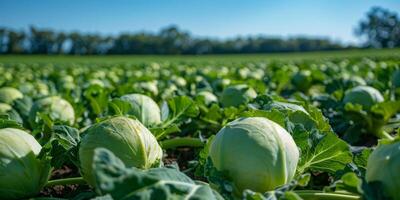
66, 181
318, 195
384, 135
181, 142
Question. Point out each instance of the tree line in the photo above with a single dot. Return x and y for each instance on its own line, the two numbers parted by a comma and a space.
381, 28
170, 40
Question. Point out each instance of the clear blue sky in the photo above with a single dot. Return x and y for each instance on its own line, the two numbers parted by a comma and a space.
335, 19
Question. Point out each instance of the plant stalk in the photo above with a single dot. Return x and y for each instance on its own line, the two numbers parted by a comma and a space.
318, 195
66, 181
384, 135
181, 142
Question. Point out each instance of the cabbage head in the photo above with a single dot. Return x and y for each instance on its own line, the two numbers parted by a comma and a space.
66, 82
57, 109
93, 82
22, 174
179, 81
302, 80
365, 96
127, 138
8, 95
237, 95
35, 89
256, 153
355, 81
284, 106
147, 87
6, 109
208, 97
220, 84
384, 166
144, 108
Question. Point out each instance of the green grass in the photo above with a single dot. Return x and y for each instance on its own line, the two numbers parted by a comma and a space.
390, 53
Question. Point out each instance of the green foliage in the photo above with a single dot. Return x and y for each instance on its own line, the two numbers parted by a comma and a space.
101, 118
396, 79
120, 182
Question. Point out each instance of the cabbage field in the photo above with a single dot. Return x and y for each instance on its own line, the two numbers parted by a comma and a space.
214, 127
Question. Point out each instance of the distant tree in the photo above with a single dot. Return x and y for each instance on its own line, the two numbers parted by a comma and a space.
60, 40
42, 41
15, 42
77, 47
381, 28
174, 41
3, 34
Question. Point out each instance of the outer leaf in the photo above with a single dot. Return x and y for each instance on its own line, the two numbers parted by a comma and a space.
386, 109
63, 147
120, 107
113, 178
322, 152
273, 115
97, 97
180, 107
6, 122
361, 158
173, 113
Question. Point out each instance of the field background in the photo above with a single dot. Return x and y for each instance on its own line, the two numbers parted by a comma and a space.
232, 58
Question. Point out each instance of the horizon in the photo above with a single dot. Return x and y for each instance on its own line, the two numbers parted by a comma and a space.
271, 19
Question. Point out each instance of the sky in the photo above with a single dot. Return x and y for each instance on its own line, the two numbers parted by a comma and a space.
222, 19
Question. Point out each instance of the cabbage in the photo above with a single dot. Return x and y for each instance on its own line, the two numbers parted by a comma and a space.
243, 72
143, 108
66, 82
202, 83
8, 95
355, 81
42, 90
57, 109
283, 106
6, 109
365, 96
95, 82
257, 74
302, 80
22, 173
220, 84
127, 138
237, 95
34, 89
257, 154
147, 87
384, 166
178, 81
208, 97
